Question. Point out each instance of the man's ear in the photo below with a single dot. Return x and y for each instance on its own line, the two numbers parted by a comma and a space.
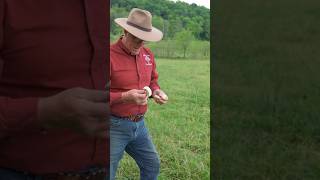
125, 32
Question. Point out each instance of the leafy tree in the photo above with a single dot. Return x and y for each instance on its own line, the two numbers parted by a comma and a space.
183, 40
205, 33
158, 22
174, 25
116, 12
175, 16
195, 27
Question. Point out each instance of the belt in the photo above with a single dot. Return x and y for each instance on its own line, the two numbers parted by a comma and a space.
133, 118
96, 174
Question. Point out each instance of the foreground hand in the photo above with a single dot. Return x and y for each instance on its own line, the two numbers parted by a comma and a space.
135, 96
82, 110
160, 97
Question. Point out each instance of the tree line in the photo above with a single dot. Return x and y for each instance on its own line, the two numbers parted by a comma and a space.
181, 23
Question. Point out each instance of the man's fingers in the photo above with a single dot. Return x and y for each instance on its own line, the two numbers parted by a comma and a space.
163, 96
144, 103
160, 101
94, 109
140, 91
141, 96
156, 97
163, 101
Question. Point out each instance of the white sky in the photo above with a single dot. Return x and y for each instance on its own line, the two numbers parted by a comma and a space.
205, 3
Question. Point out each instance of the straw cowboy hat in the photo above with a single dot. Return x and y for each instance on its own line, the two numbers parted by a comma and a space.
139, 24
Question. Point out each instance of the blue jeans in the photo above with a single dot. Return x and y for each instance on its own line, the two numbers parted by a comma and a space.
133, 137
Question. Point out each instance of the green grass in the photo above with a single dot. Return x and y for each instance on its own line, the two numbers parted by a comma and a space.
180, 129
266, 90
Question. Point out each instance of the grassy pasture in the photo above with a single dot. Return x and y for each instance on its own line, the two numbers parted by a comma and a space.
181, 128
266, 90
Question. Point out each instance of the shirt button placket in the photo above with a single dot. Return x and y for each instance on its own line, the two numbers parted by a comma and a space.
138, 69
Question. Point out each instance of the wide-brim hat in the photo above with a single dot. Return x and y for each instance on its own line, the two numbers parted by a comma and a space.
139, 24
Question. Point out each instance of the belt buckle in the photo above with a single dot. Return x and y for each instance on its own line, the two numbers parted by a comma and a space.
136, 118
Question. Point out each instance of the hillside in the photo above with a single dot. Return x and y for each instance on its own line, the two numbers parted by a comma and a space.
168, 16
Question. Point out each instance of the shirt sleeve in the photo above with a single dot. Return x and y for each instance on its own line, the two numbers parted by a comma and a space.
154, 76
115, 97
15, 114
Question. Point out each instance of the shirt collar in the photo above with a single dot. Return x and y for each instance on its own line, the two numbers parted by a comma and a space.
123, 47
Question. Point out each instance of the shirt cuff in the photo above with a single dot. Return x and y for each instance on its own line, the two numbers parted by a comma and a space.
19, 115
154, 87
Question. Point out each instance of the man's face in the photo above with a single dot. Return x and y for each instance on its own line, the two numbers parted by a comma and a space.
133, 43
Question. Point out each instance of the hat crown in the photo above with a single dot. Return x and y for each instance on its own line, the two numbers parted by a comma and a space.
141, 18
139, 24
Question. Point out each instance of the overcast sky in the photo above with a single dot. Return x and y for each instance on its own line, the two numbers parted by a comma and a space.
205, 3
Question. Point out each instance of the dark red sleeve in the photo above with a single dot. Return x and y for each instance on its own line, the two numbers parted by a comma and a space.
15, 114
1, 32
115, 97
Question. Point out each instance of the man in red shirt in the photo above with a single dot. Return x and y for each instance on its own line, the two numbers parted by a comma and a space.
53, 99
133, 68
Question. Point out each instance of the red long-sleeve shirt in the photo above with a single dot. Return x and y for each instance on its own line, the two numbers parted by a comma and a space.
47, 46
130, 72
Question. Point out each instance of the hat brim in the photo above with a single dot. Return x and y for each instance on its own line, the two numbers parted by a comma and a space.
153, 36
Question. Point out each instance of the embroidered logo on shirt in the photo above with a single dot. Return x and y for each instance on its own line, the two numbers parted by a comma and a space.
148, 60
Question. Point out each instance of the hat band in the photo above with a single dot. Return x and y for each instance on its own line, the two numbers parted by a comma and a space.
139, 27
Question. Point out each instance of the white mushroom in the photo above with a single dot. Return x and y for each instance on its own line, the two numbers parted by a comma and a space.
148, 91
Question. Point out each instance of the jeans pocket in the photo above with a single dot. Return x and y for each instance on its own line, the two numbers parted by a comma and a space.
114, 123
